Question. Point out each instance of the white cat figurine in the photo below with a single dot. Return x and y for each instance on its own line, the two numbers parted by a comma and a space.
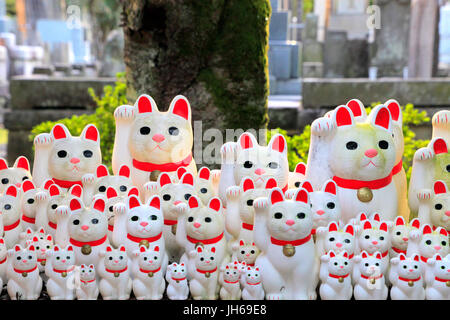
434, 205
177, 288
3, 262
437, 278
204, 283
297, 176
369, 278
246, 252
88, 287
406, 278
10, 210
60, 270
335, 274
148, 280
230, 286
335, 238
252, 286
15, 175
400, 236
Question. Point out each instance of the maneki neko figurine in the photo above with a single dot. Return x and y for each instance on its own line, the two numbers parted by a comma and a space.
15, 175
297, 176
434, 206
406, 276
336, 238
400, 236
177, 288
148, 140
369, 278
359, 157
437, 278
60, 270
10, 211
246, 158
288, 264
87, 286
66, 159
3, 262
205, 280
335, 275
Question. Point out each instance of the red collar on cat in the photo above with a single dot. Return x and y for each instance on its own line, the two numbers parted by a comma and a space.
11, 226
65, 270
397, 168
405, 279
399, 250
164, 167
3, 261
205, 241
442, 280
337, 277
65, 183
178, 279
247, 226
90, 243
230, 282
40, 260
87, 281
110, 227
358, 184
295, 243
148, 271
52, 225
253, 284
27, 271
28, 219
149, 239
116, 271
371, 277
205, 271
168, 222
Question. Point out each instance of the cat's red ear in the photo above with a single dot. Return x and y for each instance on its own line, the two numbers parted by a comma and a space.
276, 195
102, 171
133, 202
257, 269
187, 178
332, 254
180, 172
394, 109
111, 193
155, 202
438, 257
27, 185
124, 171
399, 221
213, 249
378, 256
31, 248
345, 254
12, 191
307, 185
443, 232
439, 187
164, 179
377, 217
69, 248
22, 163
99, 205
367, 225
362, 216
364, 255
204, 173
90, 132
48, 183
17, 247
215, 204
300, 168
382, 117
76, 190
181, 107
2, 241
356, 107
427, 229
29, 231
54, 190
270, 184
145, 104
41, 230
302, 196
248, 184
193, 202
60, 131
142, 249
332, 226
415, 223
3, 164
109, 249
384, 226
199, 249
349, 229
241, 243
246, 140
122, 248
343, 116
278, 143
416, 257
133, 191
156, 249
439, 146
49, 238
75, 204
402, 257
35, 239
331, 187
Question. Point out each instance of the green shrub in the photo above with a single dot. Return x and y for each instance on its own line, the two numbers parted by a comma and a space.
103, 117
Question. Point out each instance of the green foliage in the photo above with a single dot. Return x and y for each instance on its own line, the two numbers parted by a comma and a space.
103, 117
308, 6
11, 8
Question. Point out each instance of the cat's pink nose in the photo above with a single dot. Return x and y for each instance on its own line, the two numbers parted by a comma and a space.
74, 160
290, 222
84, 228
371, 153
63, 261
144, 224
197, 225
158, 138
116, 261
437, 248
260, 171
342, 267
24, 261
320, 212
339, 245
447, 213
405, 239
176, 202
374, 242
411, 270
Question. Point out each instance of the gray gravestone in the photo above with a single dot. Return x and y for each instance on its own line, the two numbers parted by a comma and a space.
335, 54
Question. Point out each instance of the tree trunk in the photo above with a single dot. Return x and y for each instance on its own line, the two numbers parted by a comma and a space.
213, 52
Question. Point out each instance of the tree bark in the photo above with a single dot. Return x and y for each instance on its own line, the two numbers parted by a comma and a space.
213, 52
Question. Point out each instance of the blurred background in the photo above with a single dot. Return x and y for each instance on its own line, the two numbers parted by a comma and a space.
279, 63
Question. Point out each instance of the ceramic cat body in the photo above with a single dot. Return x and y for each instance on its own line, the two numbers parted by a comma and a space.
406, 276
24, 282
149, 140
252, 285
66, 159
434, 205
369, 278
10, 210
3, 262
88, 286
177, 288
437, 278
230, 285
148, 281
60, 270
335, 274
289, 268
14, 175
204, 283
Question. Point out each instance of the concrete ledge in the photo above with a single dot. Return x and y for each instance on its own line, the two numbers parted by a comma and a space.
40, 91
328, 93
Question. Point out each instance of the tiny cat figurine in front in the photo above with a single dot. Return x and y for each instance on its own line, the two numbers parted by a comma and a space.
335, 274
252, 286
246, 252
289, 268
430, 164
148, 140
177, 288
245, 158
99, 183
359, 157
60, 270
204, 283
369, 278
336, 239
297, 176
66, 159
434, 205
10, 210
15, 175
87, 288
3, 262
230, 285
400, 236
148, 277
24, 282
115, 283
84, 228
437, 278
406, 278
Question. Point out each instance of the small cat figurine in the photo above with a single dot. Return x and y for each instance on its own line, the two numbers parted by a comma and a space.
41, 244
87, 288
434, 206
28, 205
24, 282
283, 234
206, 184
148, 140
148, 280
297, 176
3, 262
60, 270
115, 283
66, 159
335, 274
335, 238
177, 288
204, 283
15, 175
369, 278
400, 236
230, 286
10, 210
246, 252
437, 278
406, 278
253, 288
245, 158
99, 183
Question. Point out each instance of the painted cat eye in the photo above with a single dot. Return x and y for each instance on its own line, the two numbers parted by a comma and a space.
144, 130
351, 145
62, 153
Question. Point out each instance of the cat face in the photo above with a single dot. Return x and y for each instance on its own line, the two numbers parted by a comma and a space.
400, 234
340, 240
204, 187
10, 205
3, 249
28, 202
204, 222
14, 175
121, 182
174, 193
253, 275
112, 198
369, 265
161, 137
441, 160
144, 220
231, 273
409, 267
149, 259
441, 266
62, 258
325, 203
115, 259
338, 264
87, 224
261, 162
42, 244
58, 198
373, 238
248, 194
205, 259
177, 271
362, 151
298, 176
23, 258
440, 206
247, 252
87, 273
72, 157
433, 242
289, 219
